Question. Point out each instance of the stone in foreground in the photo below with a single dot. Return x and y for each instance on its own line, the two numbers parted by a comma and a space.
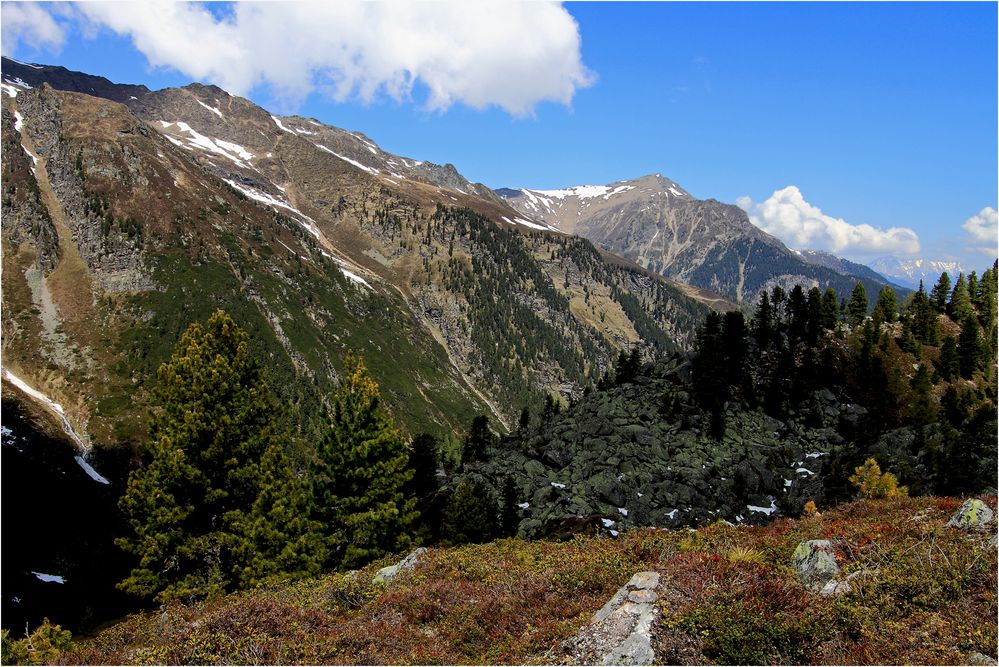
621, 632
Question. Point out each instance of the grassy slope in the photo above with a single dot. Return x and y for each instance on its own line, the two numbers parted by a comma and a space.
728, 596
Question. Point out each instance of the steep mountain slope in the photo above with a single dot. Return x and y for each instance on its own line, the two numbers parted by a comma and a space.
909, 272
124, 222
657, 224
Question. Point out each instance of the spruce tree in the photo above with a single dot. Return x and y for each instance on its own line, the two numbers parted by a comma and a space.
217, 506
361, 469
470, 515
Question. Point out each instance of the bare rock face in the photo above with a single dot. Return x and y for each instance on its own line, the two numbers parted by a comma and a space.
621, 632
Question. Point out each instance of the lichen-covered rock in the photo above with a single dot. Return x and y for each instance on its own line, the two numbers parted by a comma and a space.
973, 515
386, 574
977, 658
815, 563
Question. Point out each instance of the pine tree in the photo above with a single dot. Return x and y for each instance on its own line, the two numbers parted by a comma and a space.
938, 297
708, 373
985, 297
424, 459
217, 506
525, 419
949, 365
923, 317
886, 309
733, 342
858, 305
470, 515
830, 311
509, 515
481, 437
969, 347
814, 316
361, 469
959, 307
763, 326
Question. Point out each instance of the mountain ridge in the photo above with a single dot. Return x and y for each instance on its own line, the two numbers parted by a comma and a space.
654, 222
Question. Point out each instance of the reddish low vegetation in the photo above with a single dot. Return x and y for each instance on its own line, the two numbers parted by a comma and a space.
926, 594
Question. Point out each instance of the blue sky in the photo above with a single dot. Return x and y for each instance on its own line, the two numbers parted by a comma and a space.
819, 118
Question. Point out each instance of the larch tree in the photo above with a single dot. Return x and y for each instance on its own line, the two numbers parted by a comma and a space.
359, 475
217, 506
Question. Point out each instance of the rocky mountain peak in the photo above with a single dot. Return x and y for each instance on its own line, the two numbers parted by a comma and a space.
652, 221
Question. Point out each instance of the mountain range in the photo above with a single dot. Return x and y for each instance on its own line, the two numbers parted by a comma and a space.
129, 213
910, 272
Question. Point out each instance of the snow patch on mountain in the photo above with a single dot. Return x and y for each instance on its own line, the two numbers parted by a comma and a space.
264, 198
370, 170
277, 121
214, 110
226, 149
579, 191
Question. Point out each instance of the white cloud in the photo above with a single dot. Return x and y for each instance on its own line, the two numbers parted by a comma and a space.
481, 54
983, 228
801, 225
27, 23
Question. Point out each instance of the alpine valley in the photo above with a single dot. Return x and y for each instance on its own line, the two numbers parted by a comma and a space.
371, 353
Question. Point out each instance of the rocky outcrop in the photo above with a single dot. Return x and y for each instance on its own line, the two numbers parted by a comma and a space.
621, 632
